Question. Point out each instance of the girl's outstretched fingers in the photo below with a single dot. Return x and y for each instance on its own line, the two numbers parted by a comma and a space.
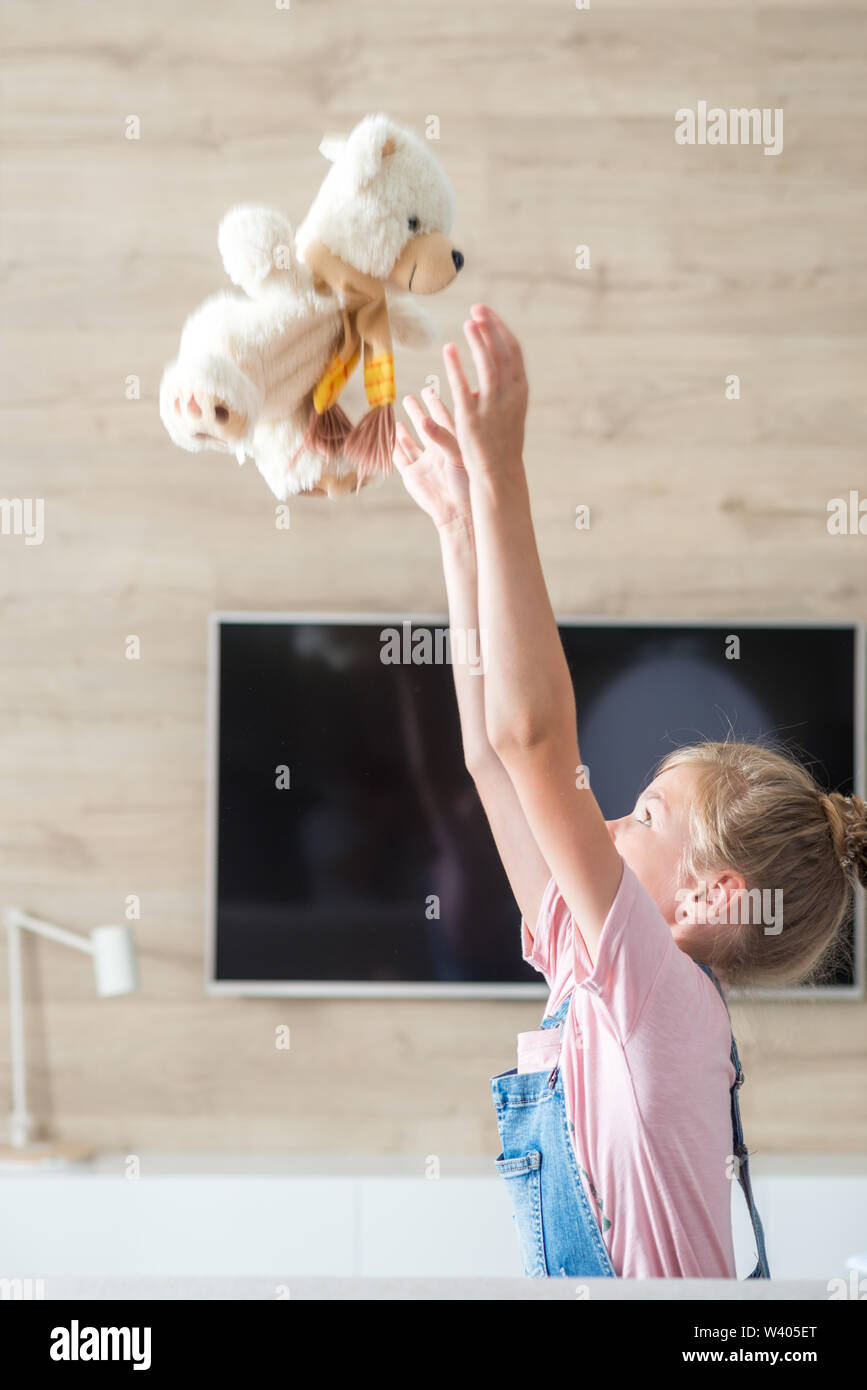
431, 431
485, 363
438, 408
495, 342
439, 435
486, 314
406, 451
460, 389
418, 417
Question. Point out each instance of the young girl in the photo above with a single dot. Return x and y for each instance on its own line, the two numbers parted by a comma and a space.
620, 1126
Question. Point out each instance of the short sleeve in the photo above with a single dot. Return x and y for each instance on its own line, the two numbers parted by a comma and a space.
635, 944
552, 935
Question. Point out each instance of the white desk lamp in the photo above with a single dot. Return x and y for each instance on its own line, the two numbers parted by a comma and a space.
114, 965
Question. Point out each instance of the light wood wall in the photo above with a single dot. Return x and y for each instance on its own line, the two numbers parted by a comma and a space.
557, 129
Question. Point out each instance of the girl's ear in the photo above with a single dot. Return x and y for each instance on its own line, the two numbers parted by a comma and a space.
714, 900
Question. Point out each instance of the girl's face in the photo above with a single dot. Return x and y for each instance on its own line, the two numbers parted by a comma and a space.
651, 840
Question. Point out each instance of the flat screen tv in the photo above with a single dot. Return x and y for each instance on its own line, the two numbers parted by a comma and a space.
348, 851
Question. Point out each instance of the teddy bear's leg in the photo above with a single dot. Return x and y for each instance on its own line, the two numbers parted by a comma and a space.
208, 403
289, 468
277, 443
286, 465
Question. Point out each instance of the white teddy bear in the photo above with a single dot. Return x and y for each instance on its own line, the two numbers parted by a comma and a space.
259, 375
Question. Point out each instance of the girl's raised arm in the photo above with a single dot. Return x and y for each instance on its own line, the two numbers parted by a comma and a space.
530, 711
434, 476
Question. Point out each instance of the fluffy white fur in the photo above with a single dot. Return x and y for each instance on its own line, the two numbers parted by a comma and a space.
262, 352
361, 210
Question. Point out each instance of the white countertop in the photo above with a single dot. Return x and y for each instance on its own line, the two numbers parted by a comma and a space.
254, 1164
397, 1289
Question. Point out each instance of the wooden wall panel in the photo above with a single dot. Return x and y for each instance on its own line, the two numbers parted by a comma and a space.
556, 129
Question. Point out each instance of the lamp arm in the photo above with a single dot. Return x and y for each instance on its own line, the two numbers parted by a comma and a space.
16, 918
113, 954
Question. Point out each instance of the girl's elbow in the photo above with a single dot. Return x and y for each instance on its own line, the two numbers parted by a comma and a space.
523, 732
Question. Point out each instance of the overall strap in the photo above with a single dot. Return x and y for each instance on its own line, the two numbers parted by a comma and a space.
740, 1152
559, 1014
558, 1018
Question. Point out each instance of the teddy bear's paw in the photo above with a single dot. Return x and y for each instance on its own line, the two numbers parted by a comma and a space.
205, 418
208, 403
411, 325
330, 485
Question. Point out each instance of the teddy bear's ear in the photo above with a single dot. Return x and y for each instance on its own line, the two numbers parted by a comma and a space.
369, 144
332, 144
368, 170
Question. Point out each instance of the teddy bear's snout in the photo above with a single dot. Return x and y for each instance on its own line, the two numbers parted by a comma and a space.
427, 263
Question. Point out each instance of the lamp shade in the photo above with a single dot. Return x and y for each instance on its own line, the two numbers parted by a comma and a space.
114, 962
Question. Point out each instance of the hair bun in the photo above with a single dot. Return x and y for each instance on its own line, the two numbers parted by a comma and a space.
847, 821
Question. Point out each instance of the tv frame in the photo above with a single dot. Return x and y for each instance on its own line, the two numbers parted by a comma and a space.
336, 989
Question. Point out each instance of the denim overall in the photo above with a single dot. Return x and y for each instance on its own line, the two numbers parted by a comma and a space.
558, 1233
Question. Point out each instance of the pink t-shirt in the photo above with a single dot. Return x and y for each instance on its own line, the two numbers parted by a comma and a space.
646, 1079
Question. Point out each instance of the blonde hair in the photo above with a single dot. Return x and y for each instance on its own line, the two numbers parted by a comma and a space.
759, 813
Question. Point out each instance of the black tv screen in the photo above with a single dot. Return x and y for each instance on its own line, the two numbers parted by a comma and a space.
349, 850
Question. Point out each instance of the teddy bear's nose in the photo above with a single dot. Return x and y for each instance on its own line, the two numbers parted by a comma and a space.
457, 257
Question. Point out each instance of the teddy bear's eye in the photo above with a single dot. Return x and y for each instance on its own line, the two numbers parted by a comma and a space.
414, 224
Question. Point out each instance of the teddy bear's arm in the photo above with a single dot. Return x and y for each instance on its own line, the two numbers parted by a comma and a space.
411, 326
257, 245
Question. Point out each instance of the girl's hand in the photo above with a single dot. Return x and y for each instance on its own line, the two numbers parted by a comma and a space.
490, 421
433, 473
